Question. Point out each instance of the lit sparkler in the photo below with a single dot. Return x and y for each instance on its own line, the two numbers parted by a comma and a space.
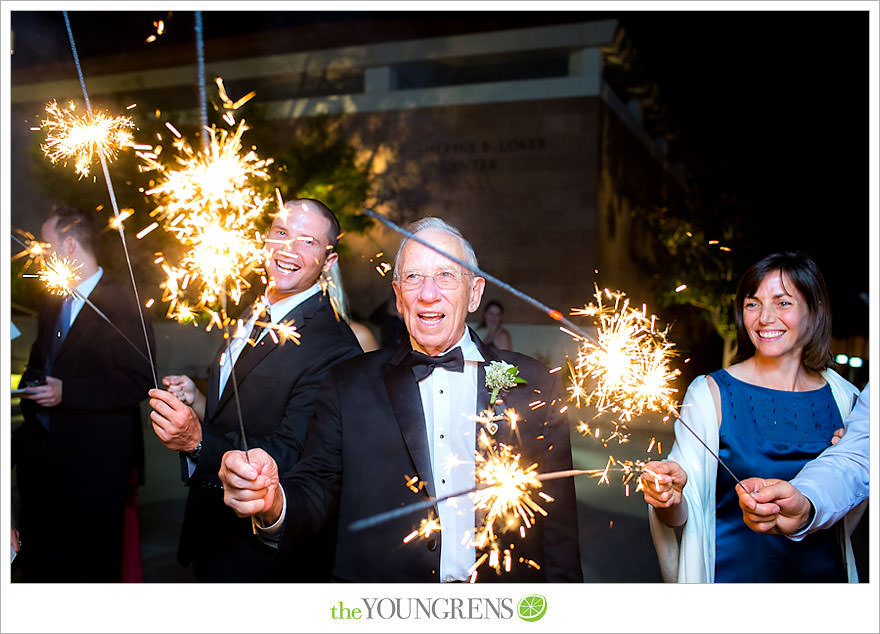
59, 275
34, 250
82, 138
626, 370
505, 498
209, 202
426, 528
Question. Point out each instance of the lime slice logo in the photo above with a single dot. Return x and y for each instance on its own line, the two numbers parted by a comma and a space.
532, 608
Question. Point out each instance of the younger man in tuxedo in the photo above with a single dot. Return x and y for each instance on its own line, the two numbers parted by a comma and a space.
277, 383
82, 436
406, 415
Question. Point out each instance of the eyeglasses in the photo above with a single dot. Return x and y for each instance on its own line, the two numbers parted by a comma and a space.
445, 280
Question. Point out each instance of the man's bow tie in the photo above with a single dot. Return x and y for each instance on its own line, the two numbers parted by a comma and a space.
423, 365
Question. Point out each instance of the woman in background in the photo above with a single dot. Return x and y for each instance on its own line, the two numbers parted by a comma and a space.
490, 329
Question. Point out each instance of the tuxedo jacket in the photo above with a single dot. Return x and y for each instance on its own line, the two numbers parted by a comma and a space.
74, 477
277, 386
368, 436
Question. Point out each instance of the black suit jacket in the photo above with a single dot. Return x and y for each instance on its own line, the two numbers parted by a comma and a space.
277, 387
368, 433
74, 477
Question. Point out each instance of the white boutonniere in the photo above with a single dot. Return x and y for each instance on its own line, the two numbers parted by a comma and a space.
500, 375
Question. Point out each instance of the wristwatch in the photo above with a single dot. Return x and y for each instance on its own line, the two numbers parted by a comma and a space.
194, 454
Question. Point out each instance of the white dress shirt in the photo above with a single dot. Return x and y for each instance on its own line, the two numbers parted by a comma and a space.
449, 401
83, 289
276, 312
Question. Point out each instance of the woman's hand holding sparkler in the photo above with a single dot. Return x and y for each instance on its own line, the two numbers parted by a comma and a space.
773, 506
250, 485
184, 388
47, 395
175, 423
662, 484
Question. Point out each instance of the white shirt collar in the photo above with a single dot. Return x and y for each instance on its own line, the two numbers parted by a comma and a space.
280, 308
86, 287
468, 348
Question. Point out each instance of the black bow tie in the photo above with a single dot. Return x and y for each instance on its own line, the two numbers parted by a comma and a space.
423, 365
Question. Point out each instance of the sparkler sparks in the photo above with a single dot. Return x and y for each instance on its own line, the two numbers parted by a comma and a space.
506, 497
428, 526
627, 370
59, 275
34, 250
209, 202
81, 138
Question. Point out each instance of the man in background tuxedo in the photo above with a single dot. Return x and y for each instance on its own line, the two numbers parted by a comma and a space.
82, 436
399, 425
277, 382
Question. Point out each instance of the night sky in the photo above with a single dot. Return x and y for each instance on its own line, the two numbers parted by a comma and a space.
772, 105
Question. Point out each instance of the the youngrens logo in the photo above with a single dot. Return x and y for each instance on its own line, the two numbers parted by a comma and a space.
530, 608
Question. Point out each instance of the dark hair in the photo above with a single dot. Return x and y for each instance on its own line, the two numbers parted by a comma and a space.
489, 304
75, 223
806, 277
320, 208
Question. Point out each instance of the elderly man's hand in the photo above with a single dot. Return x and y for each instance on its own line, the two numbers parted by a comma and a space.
773, 506
176, 424
250, 485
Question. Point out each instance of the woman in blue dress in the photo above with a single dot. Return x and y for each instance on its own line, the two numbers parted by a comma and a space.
771, 412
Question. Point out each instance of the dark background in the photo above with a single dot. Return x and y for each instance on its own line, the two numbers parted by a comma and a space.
767, 108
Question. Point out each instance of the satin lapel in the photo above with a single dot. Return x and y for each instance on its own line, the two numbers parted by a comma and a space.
81, 323
406, 403
482, 390
490, 354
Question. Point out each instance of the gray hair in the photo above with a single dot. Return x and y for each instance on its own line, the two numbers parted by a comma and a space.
432, 222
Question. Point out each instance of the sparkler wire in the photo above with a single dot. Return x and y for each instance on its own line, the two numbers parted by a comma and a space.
112, 195
381, 518
200, 66
17, 239
203, 120
101, 314
553, 314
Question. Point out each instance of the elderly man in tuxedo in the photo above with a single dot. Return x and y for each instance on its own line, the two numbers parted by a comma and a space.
81, 442
277, 383
402, 425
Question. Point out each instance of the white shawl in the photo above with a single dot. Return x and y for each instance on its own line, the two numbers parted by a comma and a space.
687, 553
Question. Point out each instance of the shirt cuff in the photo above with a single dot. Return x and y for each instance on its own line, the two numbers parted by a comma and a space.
271, 535
806, 528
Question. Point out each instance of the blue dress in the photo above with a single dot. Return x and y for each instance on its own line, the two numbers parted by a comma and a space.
771, 433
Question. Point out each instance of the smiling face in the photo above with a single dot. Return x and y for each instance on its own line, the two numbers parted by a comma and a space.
435, 317
776, 317
298, 243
